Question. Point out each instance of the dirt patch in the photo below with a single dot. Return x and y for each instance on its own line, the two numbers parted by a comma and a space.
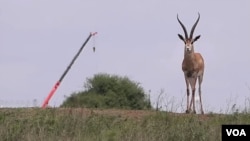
110, 112
136, 114
85, 112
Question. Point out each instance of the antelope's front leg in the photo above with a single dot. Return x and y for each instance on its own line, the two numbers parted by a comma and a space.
193, 101
188, 108
192, 81
187, 85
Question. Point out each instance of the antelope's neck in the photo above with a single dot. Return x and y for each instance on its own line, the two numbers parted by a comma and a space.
189, 59
189, 56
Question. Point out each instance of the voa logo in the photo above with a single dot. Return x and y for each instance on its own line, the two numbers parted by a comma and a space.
236, 132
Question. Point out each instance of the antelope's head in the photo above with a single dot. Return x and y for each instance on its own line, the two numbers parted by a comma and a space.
189, 40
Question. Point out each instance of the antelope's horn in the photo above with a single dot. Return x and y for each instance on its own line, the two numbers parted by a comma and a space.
193, 28
183, 27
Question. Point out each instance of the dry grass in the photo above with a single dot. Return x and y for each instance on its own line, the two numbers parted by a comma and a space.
111, 125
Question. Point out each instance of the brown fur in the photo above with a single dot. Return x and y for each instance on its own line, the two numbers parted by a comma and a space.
193, 63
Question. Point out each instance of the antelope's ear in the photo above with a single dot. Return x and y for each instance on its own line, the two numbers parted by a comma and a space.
181, 37
196, 38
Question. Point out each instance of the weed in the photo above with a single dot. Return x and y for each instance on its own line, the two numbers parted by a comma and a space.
110, 125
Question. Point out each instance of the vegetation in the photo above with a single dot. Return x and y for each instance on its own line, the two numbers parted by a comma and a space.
103, 115
109, 91
77, 124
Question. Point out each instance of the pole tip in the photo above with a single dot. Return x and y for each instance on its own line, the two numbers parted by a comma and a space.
93, 33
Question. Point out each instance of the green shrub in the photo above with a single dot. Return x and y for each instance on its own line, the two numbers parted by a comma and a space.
109, 91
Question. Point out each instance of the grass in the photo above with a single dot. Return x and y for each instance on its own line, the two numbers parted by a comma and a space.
29, 124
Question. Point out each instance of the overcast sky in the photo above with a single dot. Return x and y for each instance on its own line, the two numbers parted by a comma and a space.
137, 39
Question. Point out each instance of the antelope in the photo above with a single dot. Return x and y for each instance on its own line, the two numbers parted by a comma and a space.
192, 65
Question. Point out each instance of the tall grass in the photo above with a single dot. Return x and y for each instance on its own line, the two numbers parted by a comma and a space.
111, 125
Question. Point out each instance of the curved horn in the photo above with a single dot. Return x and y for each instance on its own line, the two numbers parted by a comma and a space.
192, 30
183, 27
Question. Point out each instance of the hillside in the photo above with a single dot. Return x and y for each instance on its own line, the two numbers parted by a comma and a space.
29, 124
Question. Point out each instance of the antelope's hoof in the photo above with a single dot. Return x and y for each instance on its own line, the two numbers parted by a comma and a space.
187, 111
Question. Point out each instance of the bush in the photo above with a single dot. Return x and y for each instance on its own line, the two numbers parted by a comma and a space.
109, 91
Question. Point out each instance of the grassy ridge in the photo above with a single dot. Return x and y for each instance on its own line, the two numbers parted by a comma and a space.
111, 125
